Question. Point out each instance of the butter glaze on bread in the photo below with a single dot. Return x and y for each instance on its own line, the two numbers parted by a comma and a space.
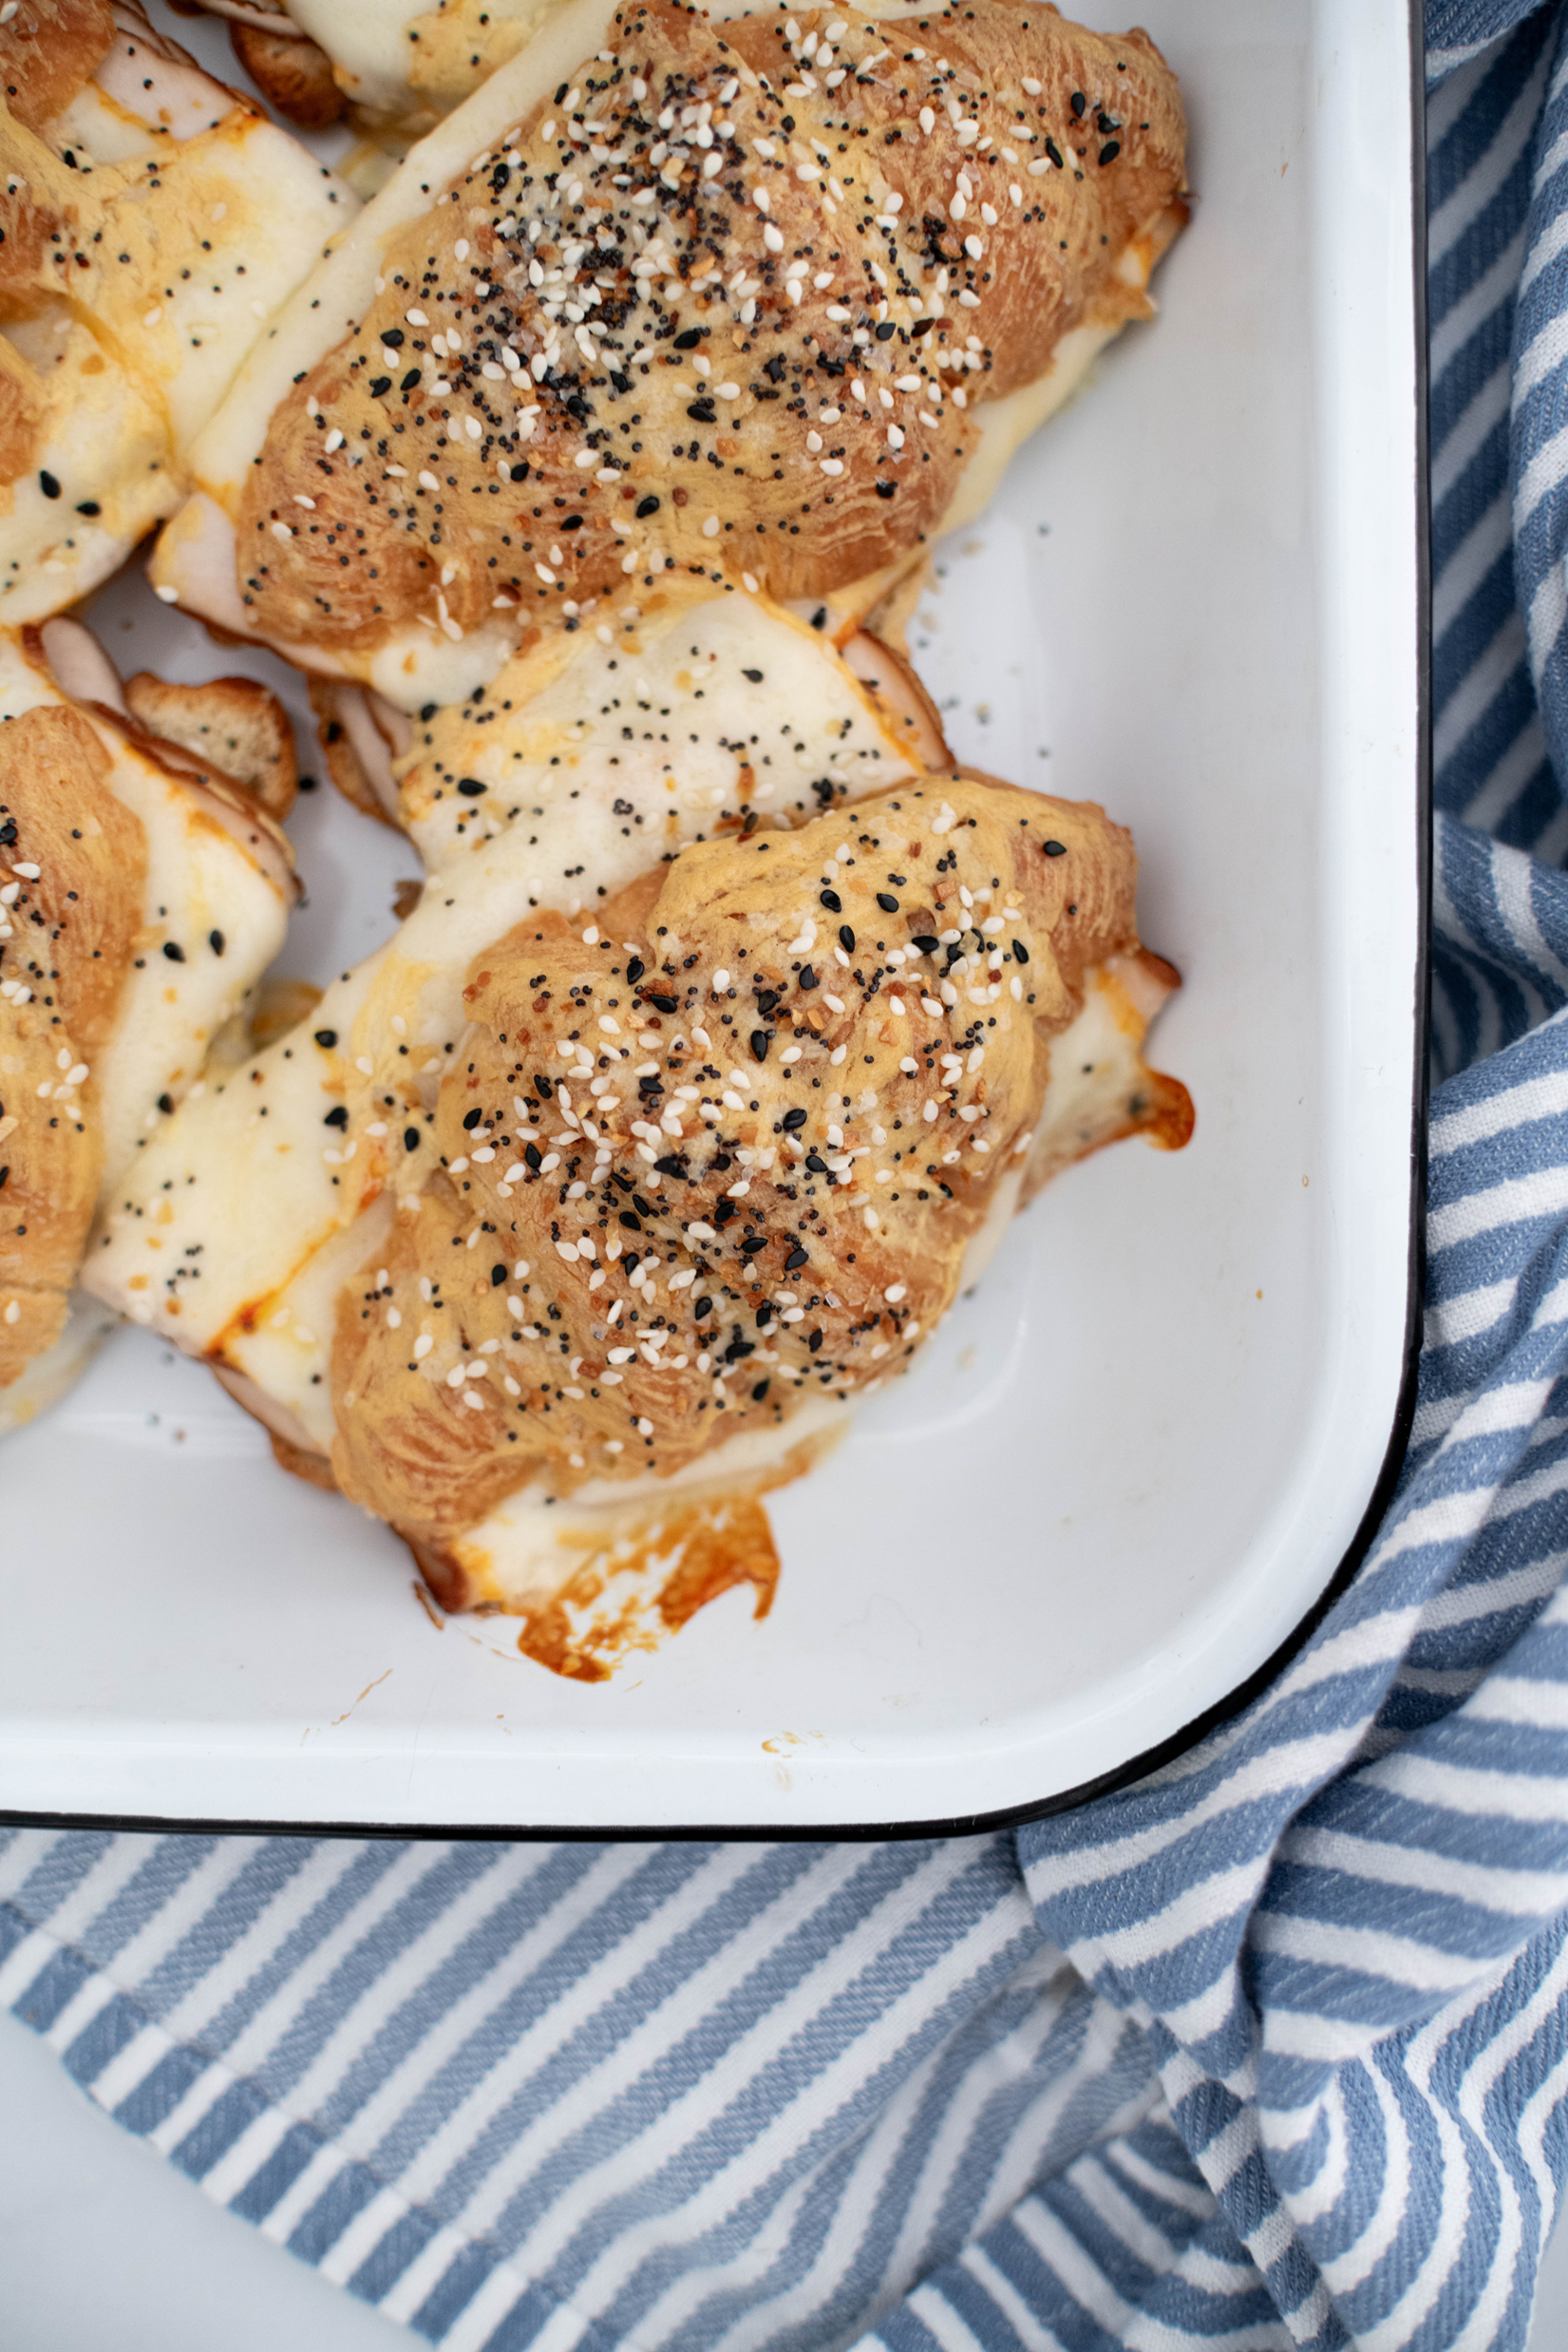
810, 1106
750, 341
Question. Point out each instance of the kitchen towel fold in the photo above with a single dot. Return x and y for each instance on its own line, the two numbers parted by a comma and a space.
1270, 2050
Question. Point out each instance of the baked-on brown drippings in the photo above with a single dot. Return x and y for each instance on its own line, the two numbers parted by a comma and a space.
729, 300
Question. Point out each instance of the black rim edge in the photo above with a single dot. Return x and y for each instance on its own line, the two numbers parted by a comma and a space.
1236, 1701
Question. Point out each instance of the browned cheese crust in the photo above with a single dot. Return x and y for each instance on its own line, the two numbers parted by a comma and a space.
499, 1338
66, 944
544, 400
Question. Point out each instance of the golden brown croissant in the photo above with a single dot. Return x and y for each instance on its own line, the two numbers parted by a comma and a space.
141, 893
722, 1151
730, 302
74, 860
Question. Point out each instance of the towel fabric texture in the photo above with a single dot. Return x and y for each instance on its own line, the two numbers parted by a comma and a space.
1268, 2051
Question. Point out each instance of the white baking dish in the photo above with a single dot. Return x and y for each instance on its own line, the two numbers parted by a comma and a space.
1131, 1464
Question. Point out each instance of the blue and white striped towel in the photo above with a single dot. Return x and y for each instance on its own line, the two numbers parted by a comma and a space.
1271, 2050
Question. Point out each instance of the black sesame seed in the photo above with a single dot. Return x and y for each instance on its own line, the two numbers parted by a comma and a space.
759, 1045
531, 1153
392, 337
471, 787
816, 1164
793, 1119
409, 381
89, 506
635, 968
669, 1167
338, 1117
797, 1257
471, 1119
410, 1139
498, 1275
215, 941
380, 383
759, 1392
644, 1208
7, 832
808, 978
1020, 953
175, 952
1055, 849
326, 1039
834, 904
1109, 152
165, 1103
666, 1004
1079, 103
815, 1342
886, 330
846, 939
886, 900
753, 1244
755, 676
926, 944
703, 1307
47, 483
1055, 154
689, 340
923, 326
632, 1224
886, 489
647, 506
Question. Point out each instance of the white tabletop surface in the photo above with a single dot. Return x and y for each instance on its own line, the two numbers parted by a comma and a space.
104, 2244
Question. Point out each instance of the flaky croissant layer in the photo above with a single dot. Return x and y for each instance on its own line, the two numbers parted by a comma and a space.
723, 1150
729, 301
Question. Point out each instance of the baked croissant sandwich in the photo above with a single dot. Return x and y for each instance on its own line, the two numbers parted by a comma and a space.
350, 1154
396, 67
743, 298
151, 221
144, 891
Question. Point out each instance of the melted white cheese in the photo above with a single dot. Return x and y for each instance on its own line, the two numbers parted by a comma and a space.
133, 369
199, 879
517, 1555
250, 1177
713, 686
